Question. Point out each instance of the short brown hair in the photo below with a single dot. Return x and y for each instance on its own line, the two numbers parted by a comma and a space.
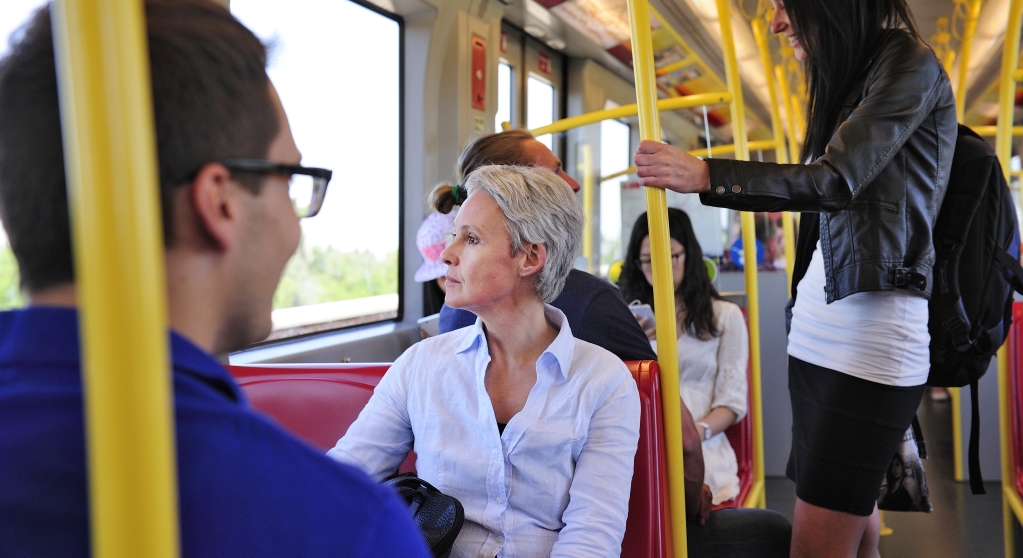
211, 101
501, 148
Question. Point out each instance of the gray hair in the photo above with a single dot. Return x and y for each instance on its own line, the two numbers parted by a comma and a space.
539, 208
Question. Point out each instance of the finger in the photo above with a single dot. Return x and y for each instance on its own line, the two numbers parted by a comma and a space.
650, 146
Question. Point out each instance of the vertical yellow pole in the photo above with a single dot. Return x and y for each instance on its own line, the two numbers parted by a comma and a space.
965, 47
790, 128
587, 168
1003, 148
110, 161
749, 242
664, 292
759, 25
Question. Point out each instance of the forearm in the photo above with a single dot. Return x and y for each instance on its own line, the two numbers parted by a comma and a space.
719, 419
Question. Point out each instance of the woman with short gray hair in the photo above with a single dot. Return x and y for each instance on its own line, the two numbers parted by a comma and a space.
533, 430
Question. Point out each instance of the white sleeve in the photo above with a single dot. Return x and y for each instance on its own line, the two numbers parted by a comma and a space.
378, 441
599, 494
730, 383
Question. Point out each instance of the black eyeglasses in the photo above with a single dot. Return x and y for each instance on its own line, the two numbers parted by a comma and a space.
645, 263
307, 186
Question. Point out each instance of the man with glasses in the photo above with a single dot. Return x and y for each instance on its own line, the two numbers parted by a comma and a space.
232, 192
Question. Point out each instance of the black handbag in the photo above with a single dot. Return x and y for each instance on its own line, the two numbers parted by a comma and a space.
438, 515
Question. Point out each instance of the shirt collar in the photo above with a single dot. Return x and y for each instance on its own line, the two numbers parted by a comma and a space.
48, 334
561, 349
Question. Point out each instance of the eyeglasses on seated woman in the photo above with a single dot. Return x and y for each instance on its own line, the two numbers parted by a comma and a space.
533, 430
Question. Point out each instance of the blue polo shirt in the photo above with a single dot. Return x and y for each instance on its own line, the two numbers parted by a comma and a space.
246, 487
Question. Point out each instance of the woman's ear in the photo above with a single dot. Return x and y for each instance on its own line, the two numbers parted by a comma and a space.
534, 260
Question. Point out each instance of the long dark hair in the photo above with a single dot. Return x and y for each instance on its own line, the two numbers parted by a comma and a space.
840, 38
696, 290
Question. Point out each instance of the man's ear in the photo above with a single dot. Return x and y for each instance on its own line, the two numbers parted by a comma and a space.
212, 197
534, 260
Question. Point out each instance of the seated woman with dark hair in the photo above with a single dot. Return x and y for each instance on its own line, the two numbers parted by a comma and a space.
533, 430
713, 344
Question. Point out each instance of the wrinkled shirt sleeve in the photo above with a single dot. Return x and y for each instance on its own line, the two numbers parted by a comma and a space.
599, 493
379, 440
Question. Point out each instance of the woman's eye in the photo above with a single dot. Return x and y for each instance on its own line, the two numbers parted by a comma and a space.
470, 239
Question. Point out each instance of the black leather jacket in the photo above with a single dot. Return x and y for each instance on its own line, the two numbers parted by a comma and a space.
879, 185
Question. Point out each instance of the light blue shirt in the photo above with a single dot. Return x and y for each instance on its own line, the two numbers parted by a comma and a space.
556, 483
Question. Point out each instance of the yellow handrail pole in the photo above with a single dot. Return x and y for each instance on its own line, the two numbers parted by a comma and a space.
790, 128
759, 25
991, 131
1003, 149
110, 160
748, 239
664, 292
674, 103
587, 168
965, 48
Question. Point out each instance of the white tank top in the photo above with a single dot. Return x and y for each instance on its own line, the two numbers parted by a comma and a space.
880, 336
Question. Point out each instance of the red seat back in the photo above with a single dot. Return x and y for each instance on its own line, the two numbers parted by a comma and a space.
314, 402
648, 531
318, 403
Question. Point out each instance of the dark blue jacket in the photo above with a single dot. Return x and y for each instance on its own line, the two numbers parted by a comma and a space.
596, 312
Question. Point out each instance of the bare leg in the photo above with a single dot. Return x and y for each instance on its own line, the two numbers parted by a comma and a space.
871, 537
822, 533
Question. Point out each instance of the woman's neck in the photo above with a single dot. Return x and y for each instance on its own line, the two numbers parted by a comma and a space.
518, 332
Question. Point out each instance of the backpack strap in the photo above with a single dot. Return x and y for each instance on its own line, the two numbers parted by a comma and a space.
1011, 268
976, 480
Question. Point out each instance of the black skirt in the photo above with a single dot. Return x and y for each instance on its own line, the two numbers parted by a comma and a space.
845, 431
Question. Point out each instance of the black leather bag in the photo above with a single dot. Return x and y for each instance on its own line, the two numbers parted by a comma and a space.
438, 516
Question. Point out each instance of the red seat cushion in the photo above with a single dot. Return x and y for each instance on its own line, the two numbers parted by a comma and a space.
1015, 382
316, 404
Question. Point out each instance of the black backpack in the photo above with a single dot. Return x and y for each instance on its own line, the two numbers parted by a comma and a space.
976, 270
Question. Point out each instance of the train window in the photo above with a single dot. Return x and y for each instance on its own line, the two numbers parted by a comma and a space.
540, 107
614, 157
337, 68
13, 14
504, 95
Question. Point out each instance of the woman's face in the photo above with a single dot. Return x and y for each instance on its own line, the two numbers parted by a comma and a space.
780, 24
481, 267
536, 153
678, 262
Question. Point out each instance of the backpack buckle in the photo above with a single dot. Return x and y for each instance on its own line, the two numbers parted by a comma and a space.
958, 333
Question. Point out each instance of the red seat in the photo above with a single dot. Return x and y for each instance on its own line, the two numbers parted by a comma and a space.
314, 402
319, 402
648, 531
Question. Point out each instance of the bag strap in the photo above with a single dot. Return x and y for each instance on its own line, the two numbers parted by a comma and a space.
1012, 269
918, 434
976, 480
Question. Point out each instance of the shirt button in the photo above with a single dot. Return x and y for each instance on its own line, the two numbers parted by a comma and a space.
500, 500
736, 189
500, 539
719, 190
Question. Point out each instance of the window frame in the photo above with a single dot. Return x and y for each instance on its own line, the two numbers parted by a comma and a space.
400, 312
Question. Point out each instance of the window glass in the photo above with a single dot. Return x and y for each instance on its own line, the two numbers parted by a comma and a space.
540, 107
13, 14
504, 95
336, 67
614, 158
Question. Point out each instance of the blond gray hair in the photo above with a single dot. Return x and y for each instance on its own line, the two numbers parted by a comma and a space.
539, 208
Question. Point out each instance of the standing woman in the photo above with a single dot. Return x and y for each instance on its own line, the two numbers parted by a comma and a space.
880, 135
713, 345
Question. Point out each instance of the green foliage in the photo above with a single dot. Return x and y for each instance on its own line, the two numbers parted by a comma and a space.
10, 293
328, 275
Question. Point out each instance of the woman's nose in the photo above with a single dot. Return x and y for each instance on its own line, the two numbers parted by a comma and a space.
779, 21
447, 255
